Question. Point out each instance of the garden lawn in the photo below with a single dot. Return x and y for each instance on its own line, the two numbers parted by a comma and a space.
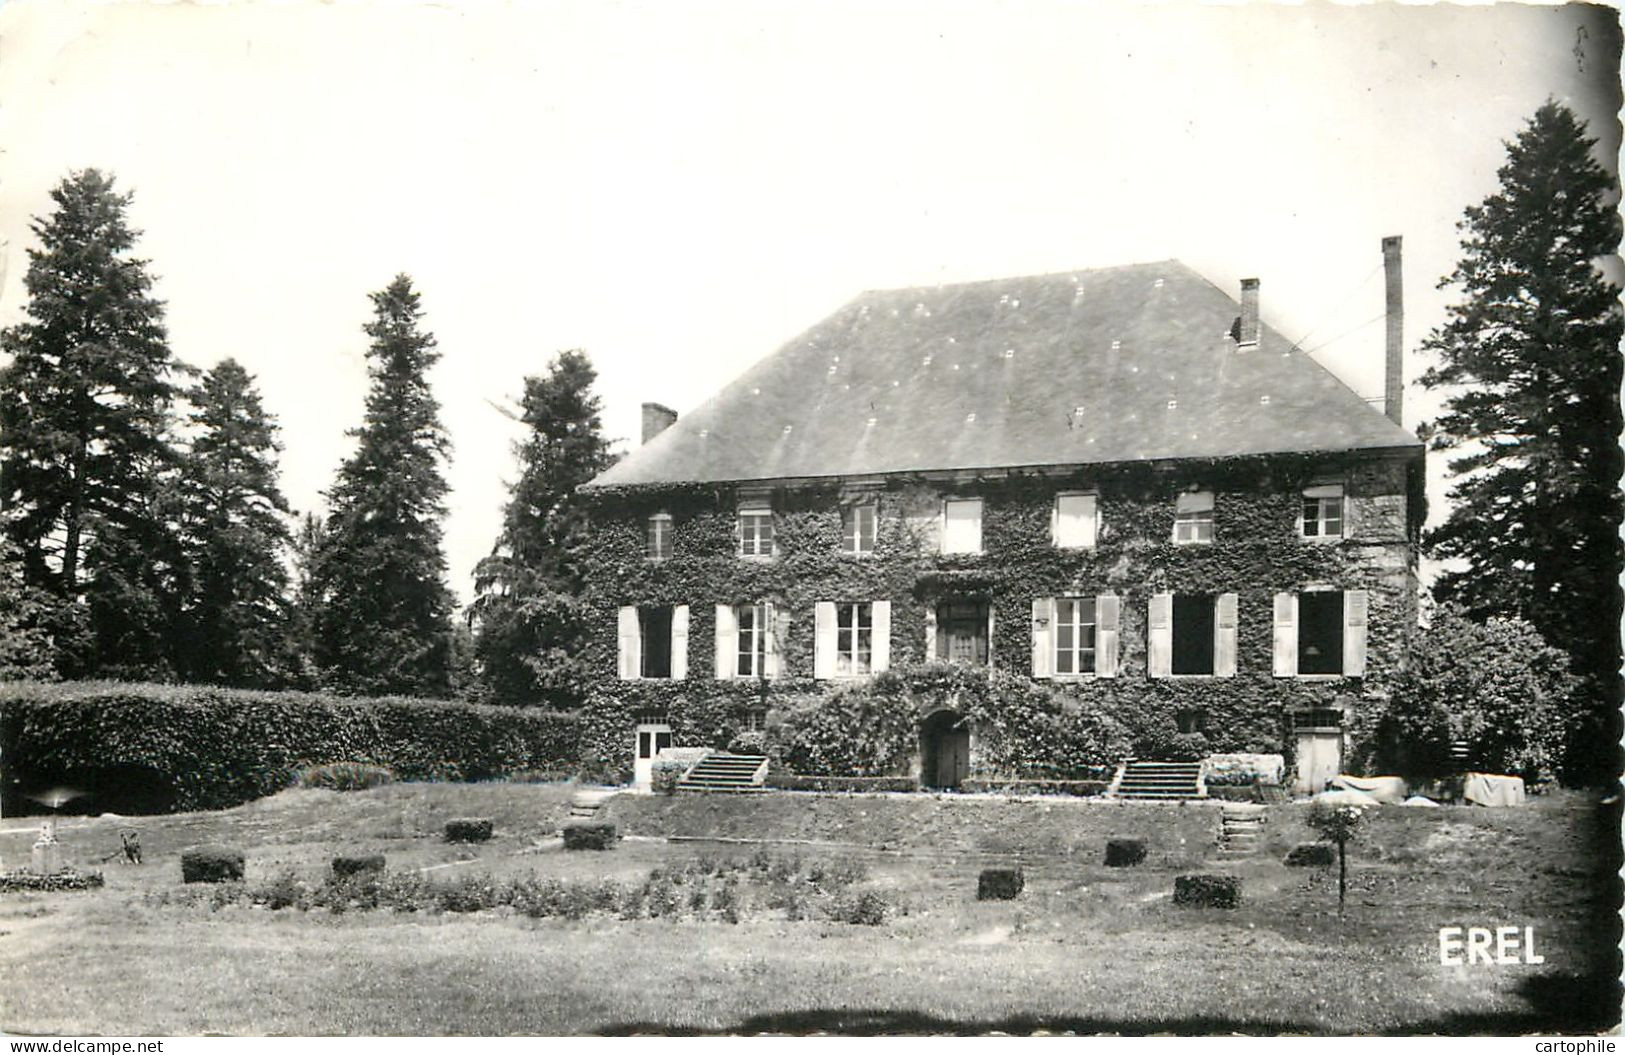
1084, 948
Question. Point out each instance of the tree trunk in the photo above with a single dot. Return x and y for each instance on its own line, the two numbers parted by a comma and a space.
1342, 873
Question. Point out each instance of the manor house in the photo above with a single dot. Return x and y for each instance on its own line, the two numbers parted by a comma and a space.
1121, 481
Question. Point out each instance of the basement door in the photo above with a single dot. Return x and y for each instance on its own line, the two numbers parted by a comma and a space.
1320, 758
652, 738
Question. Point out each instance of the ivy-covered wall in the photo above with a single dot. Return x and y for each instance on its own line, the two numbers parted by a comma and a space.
1255, 553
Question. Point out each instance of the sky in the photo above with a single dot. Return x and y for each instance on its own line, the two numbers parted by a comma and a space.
678, 187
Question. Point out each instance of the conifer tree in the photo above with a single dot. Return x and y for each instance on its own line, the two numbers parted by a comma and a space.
527, 613
84, 446
235, 533
383, 622
25, 619
1530, 359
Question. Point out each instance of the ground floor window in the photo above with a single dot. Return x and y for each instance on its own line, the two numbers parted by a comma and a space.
1320, 632
1192, 633
854, 639
1075, 635
654, 641
751, 657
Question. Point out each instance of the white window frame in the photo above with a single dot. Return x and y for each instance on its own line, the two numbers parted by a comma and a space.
1076, 652
1189, 510
1092, 520
853, 546
980, 508
756, 514
759, 632
854, 622
1321, 495
657, 537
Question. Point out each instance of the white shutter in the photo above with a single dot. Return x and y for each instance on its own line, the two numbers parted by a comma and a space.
679, 642
1356, 604
1043, 637
626, 633
1224, 636
930, 633
824, 640
992, 616
727, 640
1286, 635
880, 637
1108, 622
770, 642
1159, 635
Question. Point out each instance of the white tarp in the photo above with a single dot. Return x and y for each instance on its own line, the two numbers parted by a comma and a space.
1382, 789
1492, 789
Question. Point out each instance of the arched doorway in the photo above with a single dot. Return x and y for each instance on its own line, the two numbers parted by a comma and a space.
944, 750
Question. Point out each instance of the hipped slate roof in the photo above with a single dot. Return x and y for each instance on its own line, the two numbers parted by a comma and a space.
1110, 365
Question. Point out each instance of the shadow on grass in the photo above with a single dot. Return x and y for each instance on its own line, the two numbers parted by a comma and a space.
1558, 1003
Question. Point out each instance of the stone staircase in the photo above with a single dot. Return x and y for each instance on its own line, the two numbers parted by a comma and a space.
720, 771
1157, 781
1241, 829
585, 803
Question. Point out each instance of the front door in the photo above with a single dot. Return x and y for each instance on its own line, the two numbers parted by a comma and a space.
652, 738
944, 751
1320, 758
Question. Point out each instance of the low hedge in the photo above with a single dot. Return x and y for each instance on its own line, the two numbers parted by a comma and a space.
1311, 855
469, 830
356, 864
1080, 788
590, 835
211, 864
222, 747
33, 882
1208, 891
792, 782
1124, 853
999, 884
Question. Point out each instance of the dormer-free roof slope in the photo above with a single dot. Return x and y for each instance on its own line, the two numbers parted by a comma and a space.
1111, 365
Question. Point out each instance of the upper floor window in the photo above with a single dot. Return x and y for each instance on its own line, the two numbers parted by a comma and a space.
657, 537
1193, 517
756, 532
962, 525
1075, 521
1322, 515
859, 524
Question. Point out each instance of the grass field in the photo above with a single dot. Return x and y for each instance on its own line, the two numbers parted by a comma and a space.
1085, 948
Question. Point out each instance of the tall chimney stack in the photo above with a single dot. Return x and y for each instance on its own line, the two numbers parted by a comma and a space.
1393, 390
657, 419
1247, 331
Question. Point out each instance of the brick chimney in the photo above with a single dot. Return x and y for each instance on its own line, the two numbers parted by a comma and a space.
1393, 388
657, 419
1247, 325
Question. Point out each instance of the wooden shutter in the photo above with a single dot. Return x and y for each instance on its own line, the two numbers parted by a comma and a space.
727, 640
1356, 604
626, 632
1108, 621
1286, 635
1159, 635
1224, 636
930, 633
880, 637
824, 640
1043, 637
679, 642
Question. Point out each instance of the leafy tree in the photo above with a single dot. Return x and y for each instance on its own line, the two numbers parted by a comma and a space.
84, 412
383, 621
1495, 686
235, 534
529, 620
1531, 359
1337, 822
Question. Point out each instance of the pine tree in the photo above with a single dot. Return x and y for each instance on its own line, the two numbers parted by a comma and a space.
234, 533
383, 624
305, 547
1531, 360
528, 617
84, 448
25, 620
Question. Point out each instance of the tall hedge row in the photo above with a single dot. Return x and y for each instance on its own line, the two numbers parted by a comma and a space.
221, 747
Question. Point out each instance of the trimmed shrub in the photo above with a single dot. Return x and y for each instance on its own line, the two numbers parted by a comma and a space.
748, 742
348, 866
469, 830
18, 882
344, 776
792, 782
1242, 770
664, 775
1208, 891
1304, 855
223, 747
999, 884
868, 909
590, 835
211, 864
1124, 853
